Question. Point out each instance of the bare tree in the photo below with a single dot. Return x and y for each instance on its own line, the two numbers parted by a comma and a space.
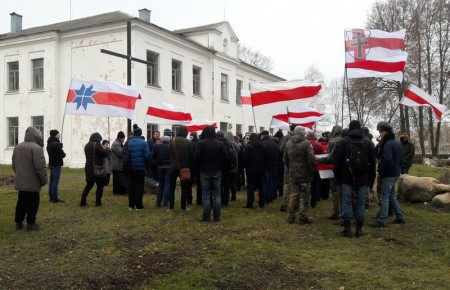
254, 58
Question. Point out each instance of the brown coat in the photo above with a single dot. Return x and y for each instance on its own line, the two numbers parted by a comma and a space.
28, 162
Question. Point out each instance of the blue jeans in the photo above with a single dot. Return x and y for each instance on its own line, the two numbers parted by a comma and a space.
211, 189
347, 208
55, 174
162, 196
388, 198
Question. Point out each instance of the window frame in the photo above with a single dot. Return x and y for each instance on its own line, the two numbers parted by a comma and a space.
153, 70
224, 87
40, 127
37, 74
150, 129
13, 131
13, 77
176, 75
239, 84
196, 80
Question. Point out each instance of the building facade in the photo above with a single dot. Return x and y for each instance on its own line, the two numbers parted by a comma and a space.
195, 68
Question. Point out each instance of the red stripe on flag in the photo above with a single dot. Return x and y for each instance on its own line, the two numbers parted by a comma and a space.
388, 43
377, 65
307, 125
321, 166
418, 99
282, 117
70, 96
114, 99
304, 114
269, 97
193, 128
170, 115
246, 100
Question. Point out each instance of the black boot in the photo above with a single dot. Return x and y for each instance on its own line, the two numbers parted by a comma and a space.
347, 232
359, 232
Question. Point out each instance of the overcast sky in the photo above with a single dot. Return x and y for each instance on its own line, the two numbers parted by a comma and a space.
294, 33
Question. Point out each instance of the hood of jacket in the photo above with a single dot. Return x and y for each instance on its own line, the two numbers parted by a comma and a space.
336, 131
96, 137
255, 140
298, 138
229, 136
34, 135
182, 131
209, 132
355, 134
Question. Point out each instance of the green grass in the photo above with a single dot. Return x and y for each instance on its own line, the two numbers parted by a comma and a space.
110, 247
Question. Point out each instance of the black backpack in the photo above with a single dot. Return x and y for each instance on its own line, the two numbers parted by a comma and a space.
357, 159
232, 156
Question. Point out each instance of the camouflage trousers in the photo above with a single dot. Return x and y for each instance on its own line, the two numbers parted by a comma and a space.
299, 198
336, 195
286, 187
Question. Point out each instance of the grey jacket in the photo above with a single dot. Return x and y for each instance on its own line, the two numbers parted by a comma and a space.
28, 162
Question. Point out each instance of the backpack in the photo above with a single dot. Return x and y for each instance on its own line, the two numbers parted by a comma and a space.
232, 156
357, 160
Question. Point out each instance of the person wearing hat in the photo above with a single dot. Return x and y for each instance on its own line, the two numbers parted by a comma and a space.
354, 167
286, 180
389, 170
119, 178
408, 152
55, 162
301, 162
139, 159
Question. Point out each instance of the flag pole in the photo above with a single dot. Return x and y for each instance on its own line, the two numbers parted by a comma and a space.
64, 117
348, 98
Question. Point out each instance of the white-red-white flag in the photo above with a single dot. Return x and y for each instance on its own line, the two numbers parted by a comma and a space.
375, 53
281, 121
416, 97
273, 98
303, 115
246, 100
99, 98
199, 124
163, 113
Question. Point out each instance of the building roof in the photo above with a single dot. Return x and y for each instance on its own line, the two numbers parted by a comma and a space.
100, 19
213, 26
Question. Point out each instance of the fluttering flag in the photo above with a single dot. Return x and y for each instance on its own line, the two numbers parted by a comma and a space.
168, 114
375, 53
325, 170
416, 97
99, 98
246, 100
273, 98
199, 124
281, 121
303, 115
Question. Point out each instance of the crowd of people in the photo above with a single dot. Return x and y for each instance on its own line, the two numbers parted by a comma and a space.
220, 164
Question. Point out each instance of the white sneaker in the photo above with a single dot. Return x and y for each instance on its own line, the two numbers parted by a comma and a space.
186, 210
130, 208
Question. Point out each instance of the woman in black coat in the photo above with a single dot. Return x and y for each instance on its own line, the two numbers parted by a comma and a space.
254, 168
94, 154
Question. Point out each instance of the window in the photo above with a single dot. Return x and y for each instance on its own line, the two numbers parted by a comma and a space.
176, 75
152, 69
13, 72
251, 129
238, 128
224, 87
271, 131
238, 92
150, 129
196, 81
261, 129
38, 122
38, 73
13, 131
223, 126
174, 130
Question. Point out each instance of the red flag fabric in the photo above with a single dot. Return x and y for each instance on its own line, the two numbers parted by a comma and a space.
98, 98
375, 53
164, 113
273, 98
416, 97
280, 121
246, 100
199, 124
303, 115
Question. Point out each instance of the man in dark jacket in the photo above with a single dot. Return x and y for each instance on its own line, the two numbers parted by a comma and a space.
354, 167
254, 167
55, 162
139, 158
28, 163
120, 178
389, 171
160, 156
210, 157
408, 152
271, 150
181, 156
301, 162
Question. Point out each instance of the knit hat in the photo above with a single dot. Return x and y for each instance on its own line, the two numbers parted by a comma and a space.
279, 134
136, 130
54, 132
299, 131
265, 133
384, 126
167, 132
120, 135
354, 124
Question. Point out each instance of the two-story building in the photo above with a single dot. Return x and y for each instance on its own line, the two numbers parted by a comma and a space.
195, 68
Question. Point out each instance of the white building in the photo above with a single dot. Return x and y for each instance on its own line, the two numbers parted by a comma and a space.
195, 68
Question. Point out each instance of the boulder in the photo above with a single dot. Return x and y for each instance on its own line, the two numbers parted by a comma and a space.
419, 189
441, 200
433, 162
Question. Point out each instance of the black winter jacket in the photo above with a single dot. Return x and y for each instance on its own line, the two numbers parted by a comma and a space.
55, 152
